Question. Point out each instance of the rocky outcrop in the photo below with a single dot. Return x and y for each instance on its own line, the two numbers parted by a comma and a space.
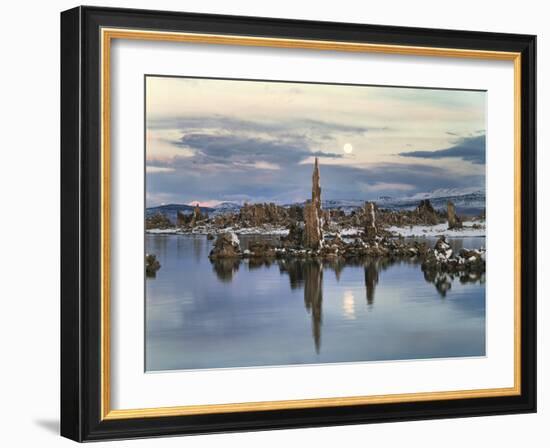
453, 220
333, 247
295, 213
336, 214
254, 215
259, 249
443, 259
227, 245
225, 220
190, 219
197, 216
182, 219
158, 221
325, 220
295, 235
152, 265
442, 249
440, 265
426, 213
423, 214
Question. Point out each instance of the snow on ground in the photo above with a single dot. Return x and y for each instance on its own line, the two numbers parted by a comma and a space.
265, 230
441, 229
201, 230
352, 231
408, 231
162, 231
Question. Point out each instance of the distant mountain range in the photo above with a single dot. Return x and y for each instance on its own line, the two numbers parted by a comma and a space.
467, 201
171, 210
226, 207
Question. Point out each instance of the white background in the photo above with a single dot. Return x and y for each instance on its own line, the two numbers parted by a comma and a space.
132, 388
29, 325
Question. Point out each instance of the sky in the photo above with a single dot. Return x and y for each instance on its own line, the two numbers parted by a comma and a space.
212, 141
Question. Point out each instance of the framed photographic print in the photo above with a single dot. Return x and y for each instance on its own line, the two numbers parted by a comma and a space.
273, 223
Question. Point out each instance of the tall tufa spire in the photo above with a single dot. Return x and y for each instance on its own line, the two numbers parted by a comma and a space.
313, 233
316, 187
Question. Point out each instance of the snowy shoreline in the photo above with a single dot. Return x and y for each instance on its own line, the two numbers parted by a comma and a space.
468, 231
274, 231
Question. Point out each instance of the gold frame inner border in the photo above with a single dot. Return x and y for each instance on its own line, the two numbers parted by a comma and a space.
107, 36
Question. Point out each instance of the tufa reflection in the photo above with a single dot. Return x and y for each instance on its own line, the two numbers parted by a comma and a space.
308, 274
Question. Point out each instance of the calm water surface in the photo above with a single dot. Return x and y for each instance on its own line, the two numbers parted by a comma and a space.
201, 314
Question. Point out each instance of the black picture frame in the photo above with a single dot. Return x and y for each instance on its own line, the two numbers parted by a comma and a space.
81, 224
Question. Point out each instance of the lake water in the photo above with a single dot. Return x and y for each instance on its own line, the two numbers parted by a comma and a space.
202, 315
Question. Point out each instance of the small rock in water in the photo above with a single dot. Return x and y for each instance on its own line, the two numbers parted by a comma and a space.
226, 246
442, 248
261, 249
152, 265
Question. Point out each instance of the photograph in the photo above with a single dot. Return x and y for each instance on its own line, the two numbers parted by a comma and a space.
290, 220
290, 223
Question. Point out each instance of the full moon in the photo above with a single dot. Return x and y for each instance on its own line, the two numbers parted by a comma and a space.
348, 148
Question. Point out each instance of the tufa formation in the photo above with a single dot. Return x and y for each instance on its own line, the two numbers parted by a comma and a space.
313, 232
152, 265
370, 221
452, 218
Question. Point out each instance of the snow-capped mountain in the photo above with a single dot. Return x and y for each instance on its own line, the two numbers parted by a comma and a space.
446, 193
469, 201
347, 205
171, 210
226, 207
466, 201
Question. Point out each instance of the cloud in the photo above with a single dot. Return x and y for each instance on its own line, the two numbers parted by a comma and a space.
332, 126
225, 141
266, 166
214, 121
387, 186
470, 149
218, 121
243, 150
159, 169
329, 155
